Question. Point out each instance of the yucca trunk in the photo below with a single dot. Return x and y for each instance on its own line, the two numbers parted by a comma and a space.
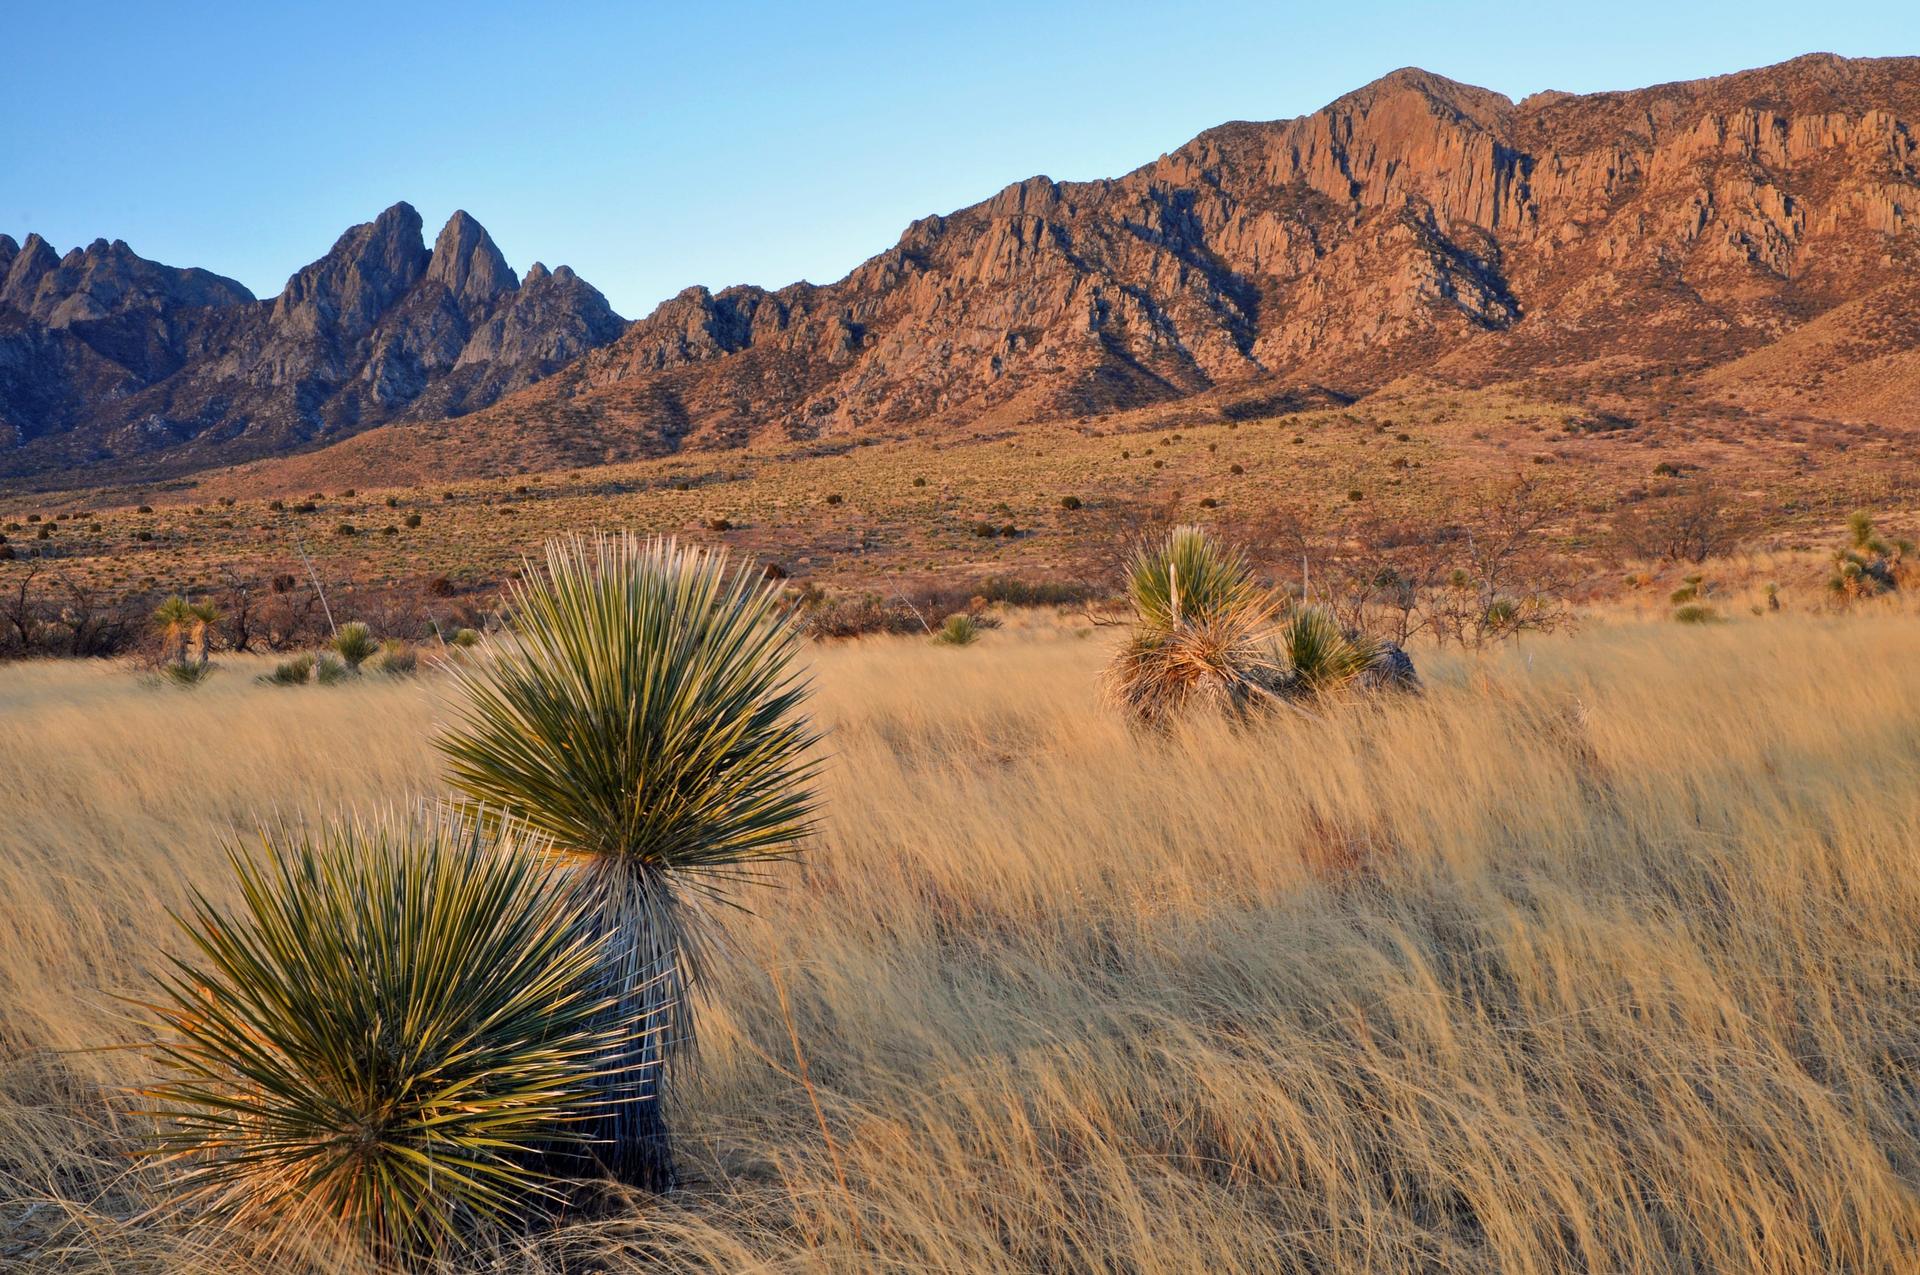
648, 979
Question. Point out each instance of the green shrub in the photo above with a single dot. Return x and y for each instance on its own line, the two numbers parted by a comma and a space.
297, 671
960, 629
396, 659
381, 1038
1696, 613
645, 716
330, 669
186, 675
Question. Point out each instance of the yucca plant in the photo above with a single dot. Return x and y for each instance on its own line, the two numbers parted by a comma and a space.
330, 669
959, 629
296, 671
355, 644
383, 1039
1871, 563
183, 635
643, 711
1320, 655
1199, 627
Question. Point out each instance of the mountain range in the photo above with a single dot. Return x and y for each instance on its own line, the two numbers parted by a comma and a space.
1748, 241
108, 360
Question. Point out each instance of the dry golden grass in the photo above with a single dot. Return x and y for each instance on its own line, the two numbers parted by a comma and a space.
1602, 956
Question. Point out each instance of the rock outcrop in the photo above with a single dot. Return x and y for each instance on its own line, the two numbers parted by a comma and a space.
113, 361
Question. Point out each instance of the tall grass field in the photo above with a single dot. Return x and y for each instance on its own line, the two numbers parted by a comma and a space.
1602, 954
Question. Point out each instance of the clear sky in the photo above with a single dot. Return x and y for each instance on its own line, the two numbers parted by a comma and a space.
654, 146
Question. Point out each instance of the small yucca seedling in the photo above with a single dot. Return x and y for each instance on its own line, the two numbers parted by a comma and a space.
960, 629
643, 712
355, 644
382, 1039
290, 672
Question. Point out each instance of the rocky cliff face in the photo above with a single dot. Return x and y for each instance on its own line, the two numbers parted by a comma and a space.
1417, 225
109, 359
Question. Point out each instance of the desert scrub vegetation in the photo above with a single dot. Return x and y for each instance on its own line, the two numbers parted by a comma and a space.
643, 712
1869, 564
1205, 632
958, 629
1591, 958
383, 1044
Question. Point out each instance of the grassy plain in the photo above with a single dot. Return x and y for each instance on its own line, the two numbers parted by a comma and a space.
1603, 955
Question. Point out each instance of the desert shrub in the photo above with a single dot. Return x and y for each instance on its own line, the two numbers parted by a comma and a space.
1691, 588
329, 669
960, 629
297, 671
355, 644
395, 659
464, 638
645, 715
1696, 613
411, 521
380, 1039
186, 675
1869, 563
1034, 593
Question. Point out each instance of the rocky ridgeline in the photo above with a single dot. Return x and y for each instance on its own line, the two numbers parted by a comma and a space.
1417, 225
107, 358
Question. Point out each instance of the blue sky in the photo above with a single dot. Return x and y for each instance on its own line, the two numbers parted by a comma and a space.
656, 146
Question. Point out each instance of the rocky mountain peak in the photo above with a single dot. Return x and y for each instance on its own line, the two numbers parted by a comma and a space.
123, 359
468, 263
32, 263
368, 269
